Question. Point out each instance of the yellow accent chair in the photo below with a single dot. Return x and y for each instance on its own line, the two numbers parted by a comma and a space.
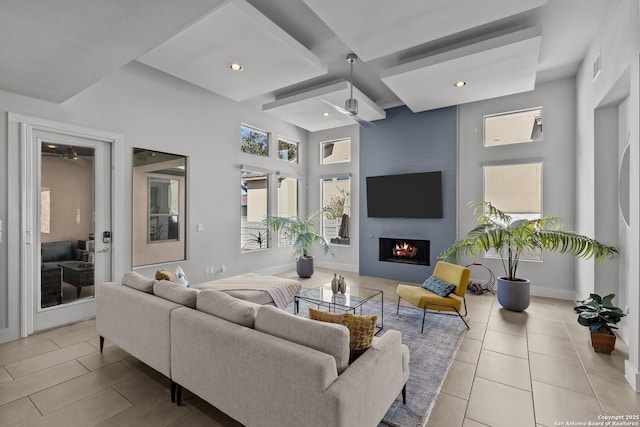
426, 300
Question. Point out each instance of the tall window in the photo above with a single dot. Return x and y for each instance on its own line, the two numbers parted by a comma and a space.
336, 203
337, 151
254, 188
513, 128
254, 141
287, 204
287, 150
516, 189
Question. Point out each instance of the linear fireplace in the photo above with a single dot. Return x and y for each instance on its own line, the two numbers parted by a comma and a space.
405, 251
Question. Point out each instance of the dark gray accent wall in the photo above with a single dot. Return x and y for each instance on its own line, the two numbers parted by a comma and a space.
409, 142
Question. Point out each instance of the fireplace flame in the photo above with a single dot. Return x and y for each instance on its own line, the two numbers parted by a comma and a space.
404, 250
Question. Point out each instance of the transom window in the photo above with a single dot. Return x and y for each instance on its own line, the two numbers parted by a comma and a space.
254, 141
337, 151
513, 128
287, 150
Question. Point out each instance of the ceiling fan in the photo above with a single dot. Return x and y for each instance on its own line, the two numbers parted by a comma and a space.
66, 152
351, 105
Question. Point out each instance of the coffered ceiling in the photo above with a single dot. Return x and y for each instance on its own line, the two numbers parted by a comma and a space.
293, 52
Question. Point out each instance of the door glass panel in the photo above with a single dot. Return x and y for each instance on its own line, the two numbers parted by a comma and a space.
159, 201
67, 198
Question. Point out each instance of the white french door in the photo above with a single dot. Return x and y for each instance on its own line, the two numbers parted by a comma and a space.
66, 225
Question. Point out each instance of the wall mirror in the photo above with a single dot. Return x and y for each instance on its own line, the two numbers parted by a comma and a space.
159, 202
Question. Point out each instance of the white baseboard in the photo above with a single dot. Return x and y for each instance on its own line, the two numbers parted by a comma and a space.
632, 375
552, 293
277, 269
338, 266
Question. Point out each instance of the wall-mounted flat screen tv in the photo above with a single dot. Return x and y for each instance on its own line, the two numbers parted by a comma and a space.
412, 195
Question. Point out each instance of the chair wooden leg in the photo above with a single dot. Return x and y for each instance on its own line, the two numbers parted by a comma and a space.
424, 314
101, 343
404, 394
398, 308
173, 391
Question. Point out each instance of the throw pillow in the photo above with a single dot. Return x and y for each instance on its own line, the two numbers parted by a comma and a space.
438, 287
181, 278
361, 329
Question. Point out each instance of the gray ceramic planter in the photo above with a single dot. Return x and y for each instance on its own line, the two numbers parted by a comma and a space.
513, 294
304, 267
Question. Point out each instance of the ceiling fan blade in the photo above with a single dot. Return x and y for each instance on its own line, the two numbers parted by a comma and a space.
361, 122
366, 125
338, 109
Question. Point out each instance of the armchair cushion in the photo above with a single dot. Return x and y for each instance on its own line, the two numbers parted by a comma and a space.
438, 286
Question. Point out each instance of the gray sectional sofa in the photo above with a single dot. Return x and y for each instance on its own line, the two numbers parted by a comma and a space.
257, 363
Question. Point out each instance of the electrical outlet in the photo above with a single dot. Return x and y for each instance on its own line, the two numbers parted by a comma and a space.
223, 268
206, 271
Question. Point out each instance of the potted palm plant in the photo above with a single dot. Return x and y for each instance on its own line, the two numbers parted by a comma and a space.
499, 231
599, 314
302, 232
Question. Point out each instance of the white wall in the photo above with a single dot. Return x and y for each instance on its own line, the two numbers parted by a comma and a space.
155, 111
617, 42
554, 276
345, 257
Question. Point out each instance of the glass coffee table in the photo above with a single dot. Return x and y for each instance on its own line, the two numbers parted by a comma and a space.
352, 300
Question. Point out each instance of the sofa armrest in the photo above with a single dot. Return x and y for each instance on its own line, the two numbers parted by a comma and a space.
137, 322
368, 387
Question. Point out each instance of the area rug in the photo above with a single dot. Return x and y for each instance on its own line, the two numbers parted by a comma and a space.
431, 355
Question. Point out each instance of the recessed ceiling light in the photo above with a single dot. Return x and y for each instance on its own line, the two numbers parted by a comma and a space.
52, 146
235, 67
460, 83
326, 114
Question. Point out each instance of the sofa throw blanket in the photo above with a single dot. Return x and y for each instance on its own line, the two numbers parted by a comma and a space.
281, 290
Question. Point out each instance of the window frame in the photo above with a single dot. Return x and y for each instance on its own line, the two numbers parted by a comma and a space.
267, 135
282, 139
333, 141
536, 256
508, 113
323, 179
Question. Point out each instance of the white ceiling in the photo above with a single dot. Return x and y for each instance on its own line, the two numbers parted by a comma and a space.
294, 50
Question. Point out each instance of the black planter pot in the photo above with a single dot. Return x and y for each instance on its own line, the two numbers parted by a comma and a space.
304, 267
514, 294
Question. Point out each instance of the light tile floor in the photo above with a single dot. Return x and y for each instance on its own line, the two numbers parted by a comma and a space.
513, 369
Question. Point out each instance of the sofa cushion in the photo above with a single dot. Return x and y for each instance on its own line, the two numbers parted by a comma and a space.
361, 329
324, 337
175, 293
138, 281
226, 307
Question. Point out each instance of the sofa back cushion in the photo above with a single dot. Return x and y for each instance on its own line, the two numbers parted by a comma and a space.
226, 307
329, 338
176, 293
57, 251
138, 281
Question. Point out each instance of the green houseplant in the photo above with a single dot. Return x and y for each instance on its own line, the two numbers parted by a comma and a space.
302, 232
600, 315
499, 231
